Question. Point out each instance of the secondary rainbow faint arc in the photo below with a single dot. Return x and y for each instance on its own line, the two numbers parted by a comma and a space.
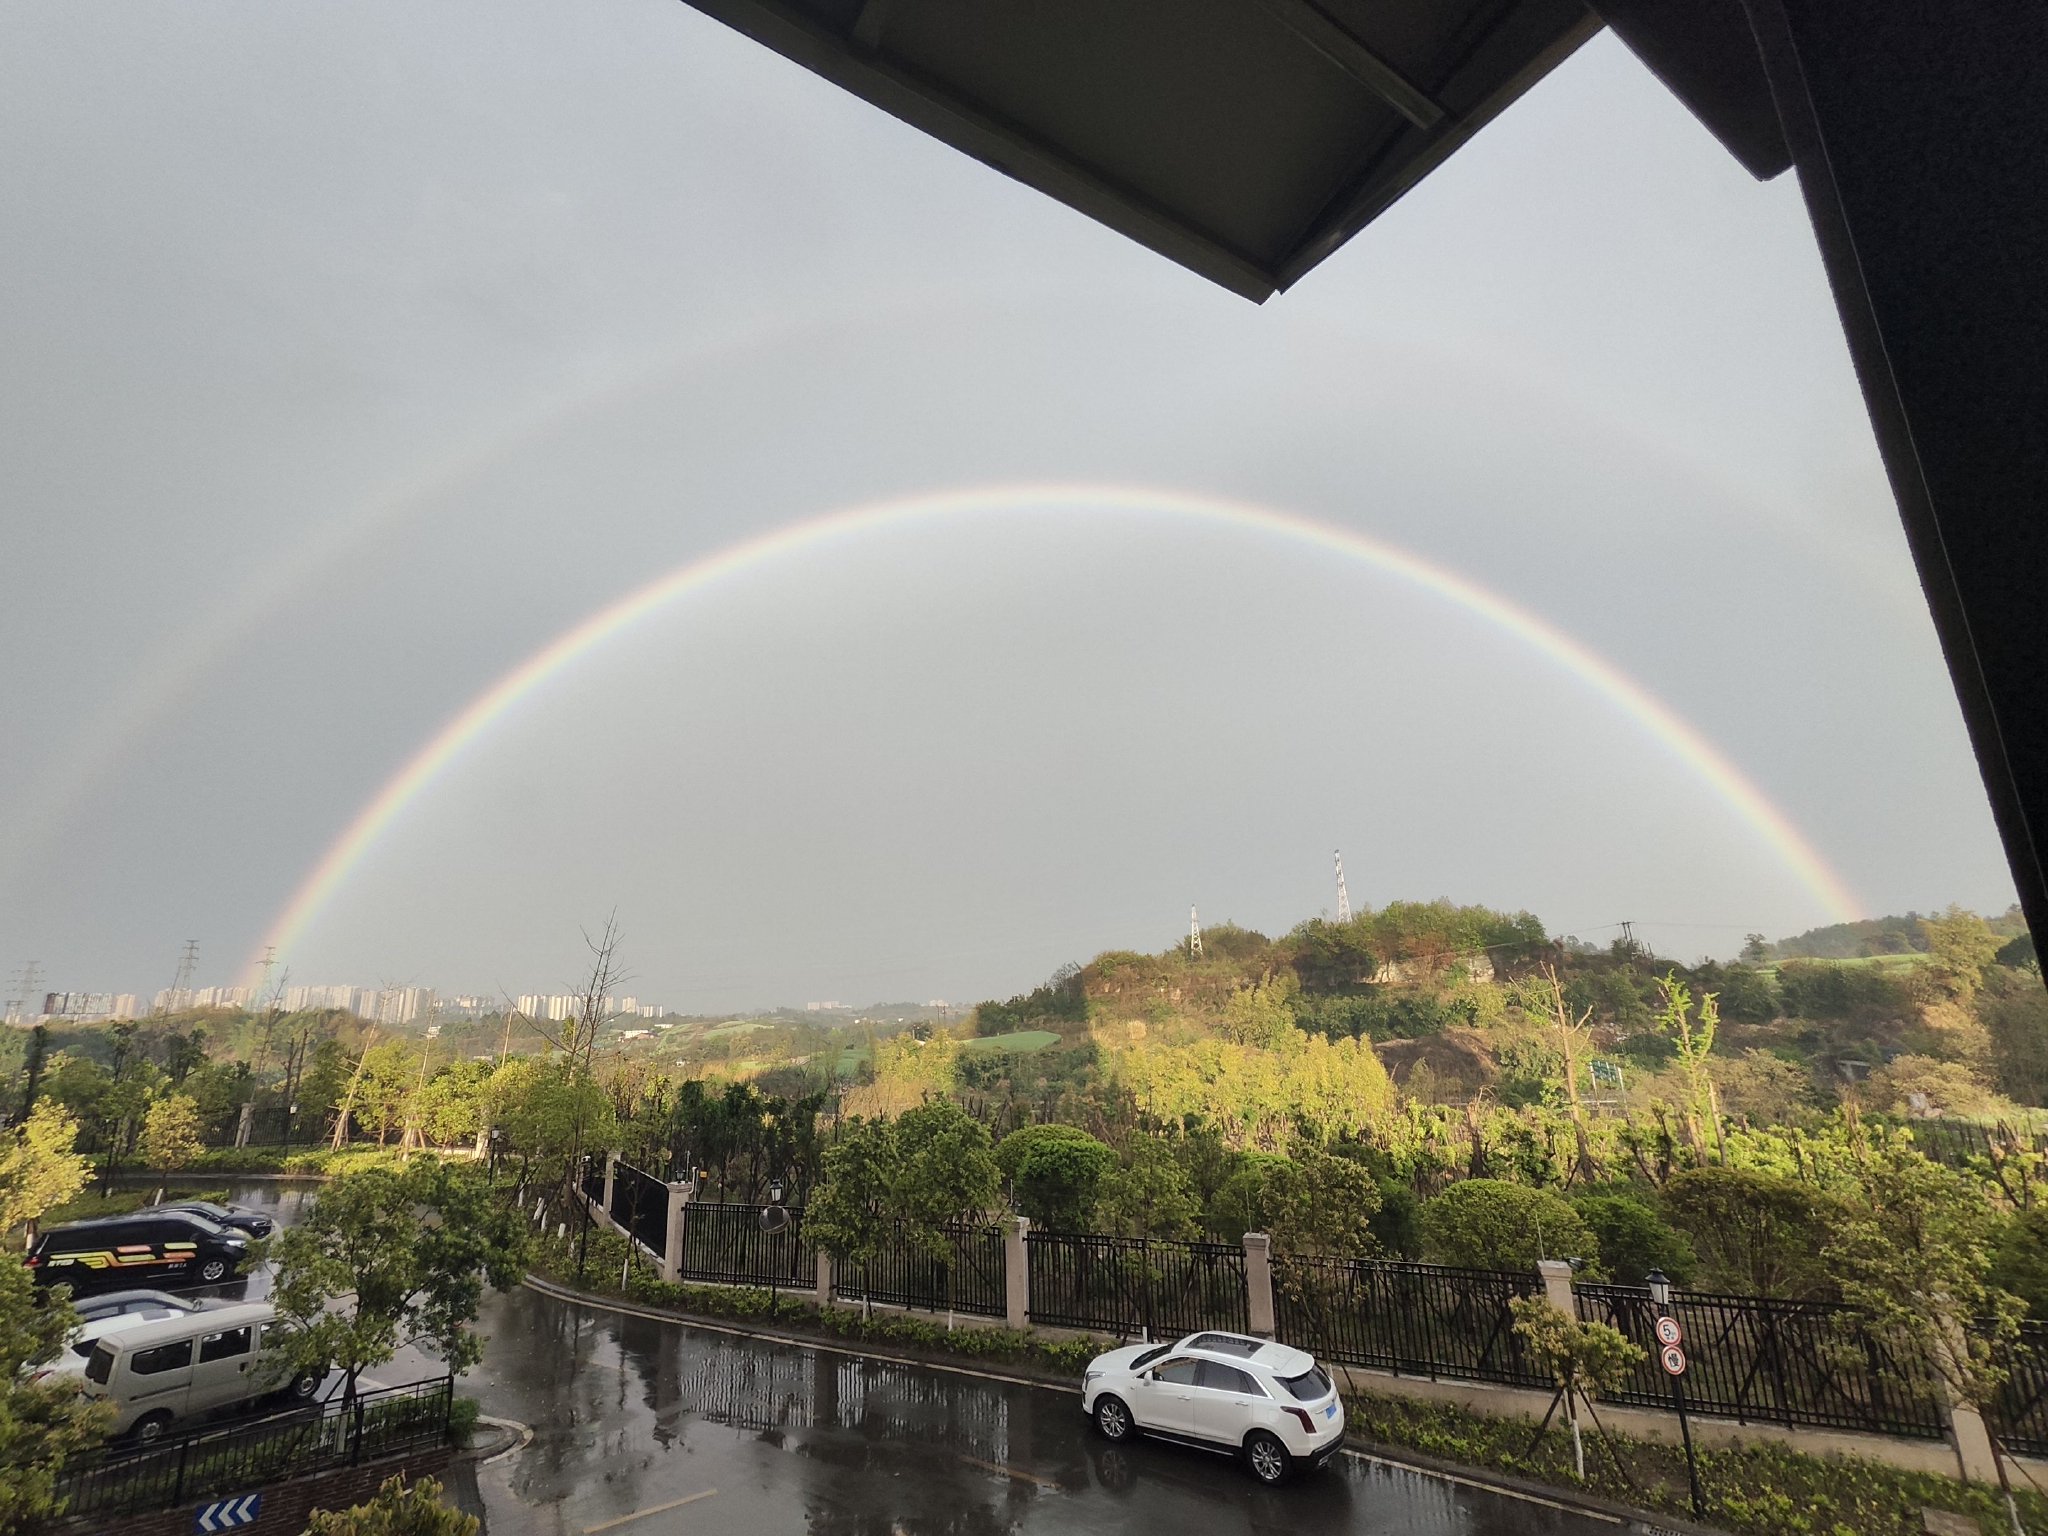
1677, 735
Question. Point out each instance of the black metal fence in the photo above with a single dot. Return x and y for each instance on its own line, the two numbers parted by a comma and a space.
728, 1244
1778, 1362
1129, 1285
971, 1279
640, 1205
1411, 1319
2019, 1415
593, 1180
390, 1421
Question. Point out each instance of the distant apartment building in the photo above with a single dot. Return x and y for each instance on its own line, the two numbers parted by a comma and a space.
90, 1007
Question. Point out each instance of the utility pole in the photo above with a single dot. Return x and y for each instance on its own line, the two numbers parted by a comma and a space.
1343, 896
1628, 939
1194, 935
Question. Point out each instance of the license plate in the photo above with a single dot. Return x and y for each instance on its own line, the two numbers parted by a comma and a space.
1330, 1412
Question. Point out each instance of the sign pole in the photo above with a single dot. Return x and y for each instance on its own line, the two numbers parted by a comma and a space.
1671, 1356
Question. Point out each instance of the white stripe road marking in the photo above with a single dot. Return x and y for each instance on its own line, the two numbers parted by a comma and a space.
652, 1509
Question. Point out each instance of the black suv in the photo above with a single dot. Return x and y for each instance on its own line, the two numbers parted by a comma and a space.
166, 1247
255, 1223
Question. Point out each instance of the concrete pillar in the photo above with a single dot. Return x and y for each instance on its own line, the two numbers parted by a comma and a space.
678, 1212
611, 1171
1258, 1283
1975, 1462
245, 1125
825, 1278
1017, 1274
1557, 1285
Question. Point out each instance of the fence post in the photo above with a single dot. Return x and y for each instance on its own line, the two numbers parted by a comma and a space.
672, 1250
1017, 1274
1258, 1283
611, 1169
1557, 1286
824, 1280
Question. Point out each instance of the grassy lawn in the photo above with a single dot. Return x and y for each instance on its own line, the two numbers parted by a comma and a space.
1017, 1043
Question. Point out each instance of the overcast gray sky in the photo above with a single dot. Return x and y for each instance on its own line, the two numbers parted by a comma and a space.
349, 354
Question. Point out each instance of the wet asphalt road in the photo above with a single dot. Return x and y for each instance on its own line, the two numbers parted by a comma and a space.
647, 1428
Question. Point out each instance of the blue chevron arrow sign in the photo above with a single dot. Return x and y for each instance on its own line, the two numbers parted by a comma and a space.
226, 1514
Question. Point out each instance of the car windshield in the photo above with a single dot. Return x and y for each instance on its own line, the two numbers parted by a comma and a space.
101, 1364
1309, 1385
1149, 1356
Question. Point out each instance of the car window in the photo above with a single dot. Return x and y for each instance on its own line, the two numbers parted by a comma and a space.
223, 1346
84, 1348
1149, 1356
165, 1357
100, 1366
1228, 1378
1227, 1344
1308, 1386
277, 1335
1179, 1373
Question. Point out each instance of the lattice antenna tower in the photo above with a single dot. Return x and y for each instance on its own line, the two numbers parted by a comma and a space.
1194, 934
1343, 896
263, 970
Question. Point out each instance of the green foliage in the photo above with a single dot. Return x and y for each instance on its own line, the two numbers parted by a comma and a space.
1061, 1000
1815, 989
944, 1171
1397, 1224
1259, 1015
1960, 945
1748, 995
1492, 1224
2015, 1014
2019, 1259
397, 1509
1585, 1359
1634, 1239
1755, 1233
386, 1259
170, 1134
1149, 1193
38, 1166
1758, 1488
1312, 1202
850, 1209
42, 1427
1055, 1174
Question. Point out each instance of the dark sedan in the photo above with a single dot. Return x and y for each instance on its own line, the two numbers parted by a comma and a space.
236, 1217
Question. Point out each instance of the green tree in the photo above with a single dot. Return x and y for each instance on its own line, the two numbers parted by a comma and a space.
396, 1509
39, 1167
386, 1259
2019, 1259
1055, 1173
1260, 1015
1913, 1247
43, 1426
1755, 1233
1149, 1193
1492, 1224
2015, 1013
1586, 1360
945, 1172
1959, 945
1315, 1203
450, 1108
171, 1135
849, 1211
1691, 1031
1634, 1239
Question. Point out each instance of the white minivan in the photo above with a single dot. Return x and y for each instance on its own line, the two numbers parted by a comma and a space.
186, 1367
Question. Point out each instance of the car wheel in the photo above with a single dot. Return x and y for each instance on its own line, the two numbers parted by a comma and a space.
213, 1271
1267, 1458
1113, 1418
150, 1428
300, 1388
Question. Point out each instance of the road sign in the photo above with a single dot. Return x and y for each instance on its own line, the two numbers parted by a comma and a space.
1668, 1331
226, 1514
1672, 1358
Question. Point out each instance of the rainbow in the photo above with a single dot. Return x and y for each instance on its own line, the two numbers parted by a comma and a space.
1659, 720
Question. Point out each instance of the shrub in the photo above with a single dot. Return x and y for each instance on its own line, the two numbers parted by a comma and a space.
395, 1510
1492, 1224
1756, 1234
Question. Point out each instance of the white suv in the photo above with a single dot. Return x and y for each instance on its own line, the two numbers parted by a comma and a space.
1223, 1392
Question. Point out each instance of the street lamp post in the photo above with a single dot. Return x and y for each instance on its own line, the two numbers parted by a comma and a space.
1660, 1297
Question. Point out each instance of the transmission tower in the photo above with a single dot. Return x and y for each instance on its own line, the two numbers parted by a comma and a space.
1194, 934
1343, 896
263, 968
26, 980
188, 966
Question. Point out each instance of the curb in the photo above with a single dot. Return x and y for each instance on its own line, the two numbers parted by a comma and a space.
1638, 1522
522, 1437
